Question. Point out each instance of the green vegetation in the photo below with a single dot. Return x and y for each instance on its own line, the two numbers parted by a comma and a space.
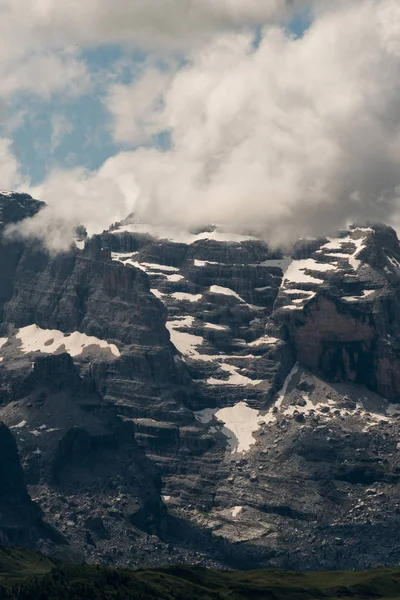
17, 564
26, 575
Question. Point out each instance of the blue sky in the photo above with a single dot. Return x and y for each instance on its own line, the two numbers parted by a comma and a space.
87, 141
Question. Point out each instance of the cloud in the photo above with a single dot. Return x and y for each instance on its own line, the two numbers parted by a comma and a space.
44, 74
10, 176
146, 23
41, 41
61, 126
294, 137
74, 197
137, 108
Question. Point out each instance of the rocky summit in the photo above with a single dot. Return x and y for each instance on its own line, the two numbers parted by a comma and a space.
199, 397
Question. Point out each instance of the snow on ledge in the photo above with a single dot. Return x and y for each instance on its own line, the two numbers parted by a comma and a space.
216, 327
295, 271
240, 422
217, 289
235, 378
364, 294
186, 296
184, 342
236, 510
49, 341
267, 340
157, 293
179, 235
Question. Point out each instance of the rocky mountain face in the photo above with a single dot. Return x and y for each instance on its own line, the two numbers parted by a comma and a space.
20, 519
196, 396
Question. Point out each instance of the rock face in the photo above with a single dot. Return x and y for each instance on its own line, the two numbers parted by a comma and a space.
345, 324
79, 457
200, 397
20, 519
15, 207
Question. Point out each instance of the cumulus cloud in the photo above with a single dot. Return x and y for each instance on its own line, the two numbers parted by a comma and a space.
147, 23
293, 137
137, 108
10, 176
296, 136
41, 40
74, 197
44, 74
61, 126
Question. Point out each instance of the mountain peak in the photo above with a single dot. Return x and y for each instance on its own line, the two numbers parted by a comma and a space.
16, 206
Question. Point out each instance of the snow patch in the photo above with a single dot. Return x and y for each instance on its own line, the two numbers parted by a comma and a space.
301, 292
177, 235
185, 296
295, 271
236, 510
264, 340
204, 263
393, 261
174, 278
157, 294
216, 327
3, 341
364, 294
234, 379
19, 425
217, 289
271, 415
240, 422
48, 341
338, 243
156, 267
149, 268
184, 342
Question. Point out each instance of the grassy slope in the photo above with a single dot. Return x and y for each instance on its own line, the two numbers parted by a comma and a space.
17, 564
37, 577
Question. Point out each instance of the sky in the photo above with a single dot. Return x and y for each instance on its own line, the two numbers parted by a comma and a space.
282, 116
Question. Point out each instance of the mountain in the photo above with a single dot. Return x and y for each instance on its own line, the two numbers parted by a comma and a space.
199, 397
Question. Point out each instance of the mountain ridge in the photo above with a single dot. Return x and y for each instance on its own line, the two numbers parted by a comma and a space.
251, 396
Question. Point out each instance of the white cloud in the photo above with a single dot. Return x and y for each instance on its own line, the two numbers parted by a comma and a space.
147, 23
10, 176
40, 40
61, 126
78, 196
137, 108
296, 137
44, 74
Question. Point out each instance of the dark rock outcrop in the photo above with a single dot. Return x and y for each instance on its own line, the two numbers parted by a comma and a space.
349, 328
15, 207
20, 519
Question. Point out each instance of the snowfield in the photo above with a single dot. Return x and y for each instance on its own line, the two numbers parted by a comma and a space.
49, 341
